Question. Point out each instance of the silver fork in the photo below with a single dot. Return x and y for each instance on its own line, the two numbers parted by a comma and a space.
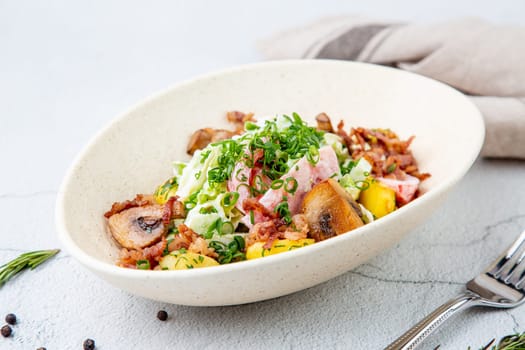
501, 285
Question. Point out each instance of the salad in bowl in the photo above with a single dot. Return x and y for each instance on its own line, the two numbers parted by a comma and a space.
269, 186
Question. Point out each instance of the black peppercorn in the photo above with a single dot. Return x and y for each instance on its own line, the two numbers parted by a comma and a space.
10, 318
162, 315
89, 344
6, 331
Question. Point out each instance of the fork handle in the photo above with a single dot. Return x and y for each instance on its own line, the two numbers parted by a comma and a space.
415, 335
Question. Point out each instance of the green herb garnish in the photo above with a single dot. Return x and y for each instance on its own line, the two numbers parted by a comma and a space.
24, 261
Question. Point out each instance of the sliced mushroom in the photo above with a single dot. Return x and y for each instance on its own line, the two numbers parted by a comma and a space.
221, 134
203, 137
324, 123
137, 227
330, 210
198, 140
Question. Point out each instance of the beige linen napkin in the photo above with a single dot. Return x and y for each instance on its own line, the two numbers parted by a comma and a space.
483, 60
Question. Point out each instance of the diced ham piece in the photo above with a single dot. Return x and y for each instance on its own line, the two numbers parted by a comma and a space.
306, 176
303, 172
242, 177
240, 172
326, 167
405, 189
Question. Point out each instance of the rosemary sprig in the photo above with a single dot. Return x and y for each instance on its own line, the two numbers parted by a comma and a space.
23, 261
510, 342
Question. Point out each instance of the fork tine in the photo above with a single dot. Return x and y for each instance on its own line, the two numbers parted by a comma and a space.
520, 285
505, 264
517, 271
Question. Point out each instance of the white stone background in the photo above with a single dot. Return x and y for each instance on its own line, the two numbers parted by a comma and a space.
68, 67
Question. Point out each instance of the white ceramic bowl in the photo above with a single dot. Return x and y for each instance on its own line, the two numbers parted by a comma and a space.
134, 153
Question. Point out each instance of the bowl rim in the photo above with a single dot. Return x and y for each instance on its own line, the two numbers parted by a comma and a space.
108, 268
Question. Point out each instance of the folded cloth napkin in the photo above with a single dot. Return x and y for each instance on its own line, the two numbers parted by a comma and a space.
483, 60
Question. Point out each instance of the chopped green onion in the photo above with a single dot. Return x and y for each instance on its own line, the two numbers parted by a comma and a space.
260, 186
226, 228
312, 155
391, 168
207, 210
291, 185
243, 177
276, 184
240, 242
362, 185
205, 155
191, 202
166, 249
231, 252
283, 211
230, 199
249, 126
347, 166
143, 264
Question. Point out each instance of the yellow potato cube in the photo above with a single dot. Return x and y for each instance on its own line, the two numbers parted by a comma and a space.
256, 250
184, 261
166, 190
378, 199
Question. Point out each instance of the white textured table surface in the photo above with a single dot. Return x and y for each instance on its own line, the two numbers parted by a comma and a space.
66, 69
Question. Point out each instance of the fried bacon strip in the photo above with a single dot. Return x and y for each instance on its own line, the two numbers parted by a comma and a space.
389, 156
140, 200
173, 209
192, 241
269, 231
253, 204
129, 257
238, 119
